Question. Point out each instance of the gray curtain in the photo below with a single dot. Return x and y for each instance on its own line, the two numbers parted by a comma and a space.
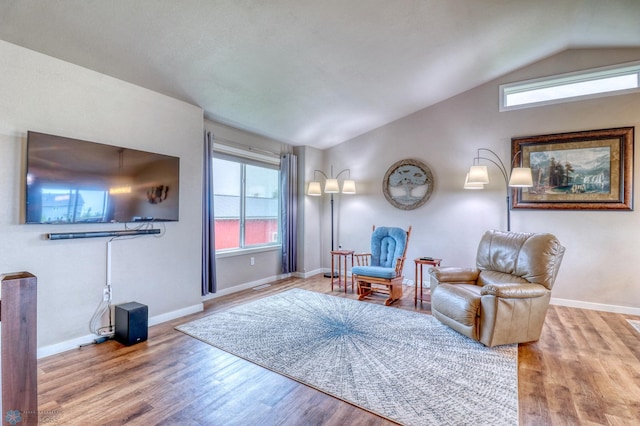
289, 209
208, 228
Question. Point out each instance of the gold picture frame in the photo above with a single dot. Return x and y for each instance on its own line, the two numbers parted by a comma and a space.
586, 170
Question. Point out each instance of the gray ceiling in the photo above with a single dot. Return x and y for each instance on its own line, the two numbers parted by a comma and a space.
313, 72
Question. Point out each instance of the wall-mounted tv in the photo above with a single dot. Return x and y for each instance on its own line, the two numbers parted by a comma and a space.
76, 181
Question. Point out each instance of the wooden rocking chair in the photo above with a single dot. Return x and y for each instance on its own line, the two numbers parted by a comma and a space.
381, 270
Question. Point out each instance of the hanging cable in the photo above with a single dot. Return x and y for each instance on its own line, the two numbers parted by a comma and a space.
105, 304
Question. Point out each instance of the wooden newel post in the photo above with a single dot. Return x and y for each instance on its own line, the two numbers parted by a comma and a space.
19, 348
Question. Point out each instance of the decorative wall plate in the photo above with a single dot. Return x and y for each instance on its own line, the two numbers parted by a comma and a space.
408, 184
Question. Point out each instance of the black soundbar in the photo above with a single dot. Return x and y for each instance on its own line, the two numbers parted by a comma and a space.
72, 235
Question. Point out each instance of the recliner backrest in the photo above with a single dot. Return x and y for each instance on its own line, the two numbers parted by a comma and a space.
387, 245
532, 257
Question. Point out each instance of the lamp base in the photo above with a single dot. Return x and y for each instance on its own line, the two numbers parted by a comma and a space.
331, 275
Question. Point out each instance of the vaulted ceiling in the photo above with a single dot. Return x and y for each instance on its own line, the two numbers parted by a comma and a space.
313, 72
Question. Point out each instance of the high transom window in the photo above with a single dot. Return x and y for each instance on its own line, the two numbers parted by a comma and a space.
597, 82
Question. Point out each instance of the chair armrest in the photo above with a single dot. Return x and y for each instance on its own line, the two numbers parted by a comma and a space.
399, 266
454, 274
514, 290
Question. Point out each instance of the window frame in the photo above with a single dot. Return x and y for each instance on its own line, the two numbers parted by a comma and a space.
243, 158
560, 80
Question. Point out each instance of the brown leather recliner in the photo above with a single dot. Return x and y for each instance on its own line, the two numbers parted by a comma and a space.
505, 298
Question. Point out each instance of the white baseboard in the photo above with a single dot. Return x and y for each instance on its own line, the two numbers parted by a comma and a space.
309, 274
159, 319
628, 310
245, 286
67, 345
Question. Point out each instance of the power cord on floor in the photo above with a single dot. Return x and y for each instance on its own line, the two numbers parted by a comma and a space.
96, 341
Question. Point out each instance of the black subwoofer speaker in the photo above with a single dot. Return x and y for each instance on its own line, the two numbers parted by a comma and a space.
131, 323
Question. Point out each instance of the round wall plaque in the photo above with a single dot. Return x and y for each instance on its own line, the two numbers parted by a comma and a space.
408, 184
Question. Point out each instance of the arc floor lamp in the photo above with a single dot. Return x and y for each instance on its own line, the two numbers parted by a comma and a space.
517, 177
332, 186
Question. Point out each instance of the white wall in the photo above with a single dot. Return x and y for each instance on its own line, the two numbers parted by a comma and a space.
312, 246
47, 95
599, 268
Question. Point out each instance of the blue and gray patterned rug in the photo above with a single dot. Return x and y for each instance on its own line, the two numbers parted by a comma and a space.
402, 365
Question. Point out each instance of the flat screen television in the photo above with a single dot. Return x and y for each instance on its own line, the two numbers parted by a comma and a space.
76, 181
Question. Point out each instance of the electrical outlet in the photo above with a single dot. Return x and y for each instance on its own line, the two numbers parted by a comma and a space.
253, 261
105, 294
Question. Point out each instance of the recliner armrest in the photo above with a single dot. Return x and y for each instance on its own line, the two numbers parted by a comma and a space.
514, 290
454, 274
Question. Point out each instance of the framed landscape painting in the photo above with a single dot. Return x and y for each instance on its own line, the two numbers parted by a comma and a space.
588, 170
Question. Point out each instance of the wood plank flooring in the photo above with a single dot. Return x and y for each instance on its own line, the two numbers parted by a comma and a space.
585, 370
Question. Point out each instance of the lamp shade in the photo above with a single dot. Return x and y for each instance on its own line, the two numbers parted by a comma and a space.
521, 177
314, 189
331, 186
478, 174
468, 185
349, 187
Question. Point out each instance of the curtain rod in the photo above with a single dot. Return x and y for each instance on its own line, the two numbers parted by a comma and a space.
245, 147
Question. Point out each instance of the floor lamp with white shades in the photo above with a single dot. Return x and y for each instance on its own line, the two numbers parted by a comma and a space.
332, 186
517, 177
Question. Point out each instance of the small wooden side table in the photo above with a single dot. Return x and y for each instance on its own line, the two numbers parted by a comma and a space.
419, 280
342, 255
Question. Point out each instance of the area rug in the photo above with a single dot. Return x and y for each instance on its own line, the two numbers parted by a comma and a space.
635, 324
402, 365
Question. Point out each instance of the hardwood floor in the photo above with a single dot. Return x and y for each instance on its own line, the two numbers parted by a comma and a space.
585, 370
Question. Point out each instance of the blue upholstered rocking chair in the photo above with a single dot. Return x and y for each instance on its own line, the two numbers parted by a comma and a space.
381, 270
